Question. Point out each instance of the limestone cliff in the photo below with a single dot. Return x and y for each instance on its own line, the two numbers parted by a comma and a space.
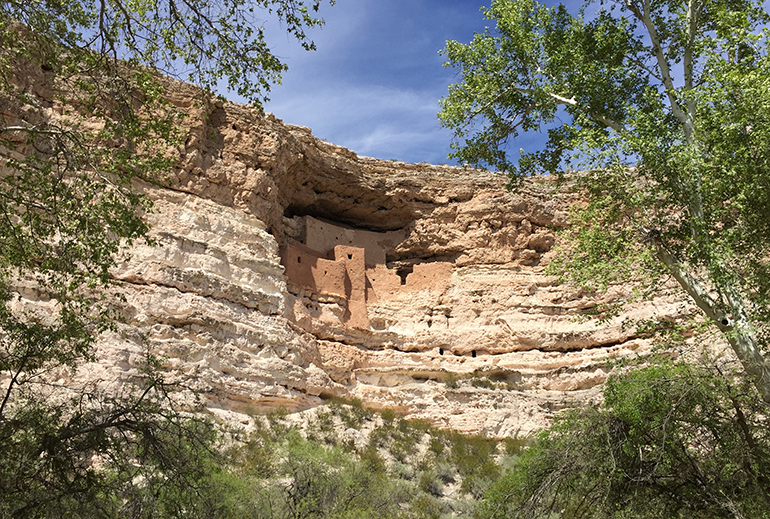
289, 270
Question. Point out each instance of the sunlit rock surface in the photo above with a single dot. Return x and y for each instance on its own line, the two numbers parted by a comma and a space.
287, 271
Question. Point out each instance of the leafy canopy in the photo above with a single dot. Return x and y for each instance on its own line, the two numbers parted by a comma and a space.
83, 113
663, 108
202, 42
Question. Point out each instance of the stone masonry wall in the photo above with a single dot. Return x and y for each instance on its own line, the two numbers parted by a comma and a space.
350, 263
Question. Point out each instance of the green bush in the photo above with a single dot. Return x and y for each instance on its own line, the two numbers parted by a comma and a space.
670, 441
514, 445
474, 457
430, 484
279, 473
482, 382
352, 413
311, 479
388, 415
436, 445
426, 507
373, 461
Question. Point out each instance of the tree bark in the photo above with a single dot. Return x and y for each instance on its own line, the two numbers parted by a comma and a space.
738, 332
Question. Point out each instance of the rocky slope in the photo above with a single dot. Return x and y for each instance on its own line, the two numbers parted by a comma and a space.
289, 270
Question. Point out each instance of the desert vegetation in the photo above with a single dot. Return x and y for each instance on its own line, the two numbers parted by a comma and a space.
343, 460
674, 172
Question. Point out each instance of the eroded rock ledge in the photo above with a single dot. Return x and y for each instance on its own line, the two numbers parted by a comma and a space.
289, 270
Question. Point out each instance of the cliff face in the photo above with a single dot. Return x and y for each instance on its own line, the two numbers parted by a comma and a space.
289, 270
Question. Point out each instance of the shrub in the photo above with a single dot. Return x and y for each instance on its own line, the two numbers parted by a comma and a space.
670, 441
430, 484
482, 382
474, 457
388, 415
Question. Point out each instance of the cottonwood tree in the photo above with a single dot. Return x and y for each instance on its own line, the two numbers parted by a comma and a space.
665, 107
82, 113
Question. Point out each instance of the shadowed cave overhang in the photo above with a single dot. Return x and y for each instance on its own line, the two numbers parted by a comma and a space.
341, 194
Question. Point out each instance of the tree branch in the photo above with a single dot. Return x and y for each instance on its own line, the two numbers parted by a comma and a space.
643, 15
618, 127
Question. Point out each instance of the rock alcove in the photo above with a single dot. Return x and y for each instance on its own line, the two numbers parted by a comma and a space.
328, 260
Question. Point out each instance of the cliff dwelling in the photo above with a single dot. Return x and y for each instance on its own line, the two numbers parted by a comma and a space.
351, 265
288, 270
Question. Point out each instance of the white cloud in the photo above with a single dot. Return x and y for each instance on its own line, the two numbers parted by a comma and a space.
375, 81
383, 122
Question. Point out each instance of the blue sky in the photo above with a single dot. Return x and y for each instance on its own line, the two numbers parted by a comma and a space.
375, 81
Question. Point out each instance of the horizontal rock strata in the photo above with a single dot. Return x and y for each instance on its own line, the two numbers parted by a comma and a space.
288, 271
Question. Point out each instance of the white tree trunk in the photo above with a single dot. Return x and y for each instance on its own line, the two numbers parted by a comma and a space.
738, 332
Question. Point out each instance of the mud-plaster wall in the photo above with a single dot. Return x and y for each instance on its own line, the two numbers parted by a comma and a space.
323, 237
326, 266
344, 276
433, 275
382, 283
353, 260
304, 267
